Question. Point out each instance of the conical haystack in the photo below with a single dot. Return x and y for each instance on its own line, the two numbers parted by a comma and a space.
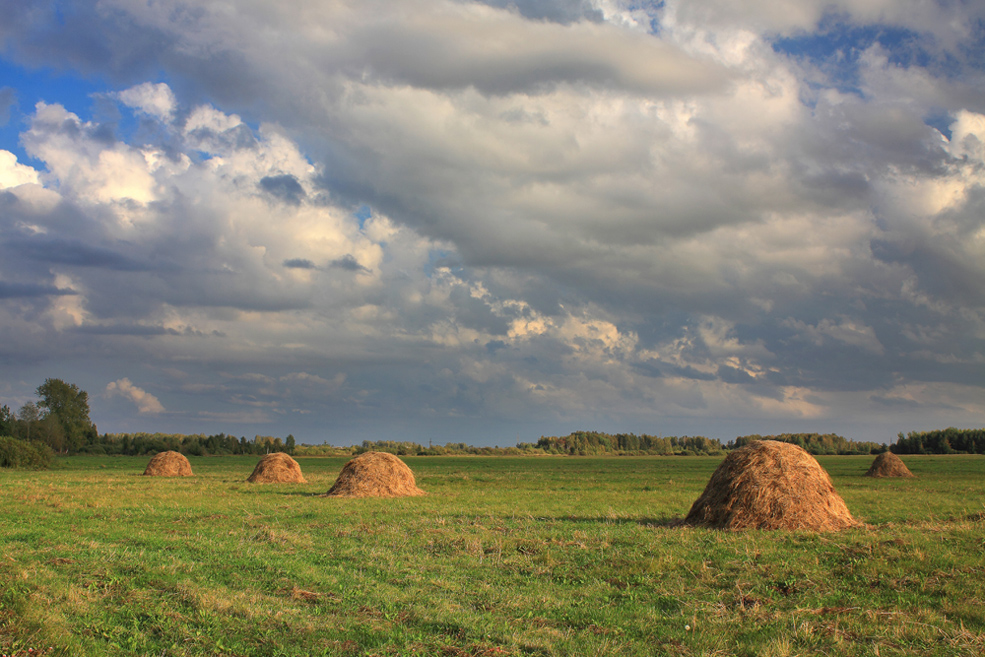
888, 464
277, 468
375, 474
168, 464
770, 485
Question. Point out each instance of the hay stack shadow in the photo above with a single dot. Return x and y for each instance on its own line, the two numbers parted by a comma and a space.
770, 485
277, 468
375, 474
888, 464
169, 464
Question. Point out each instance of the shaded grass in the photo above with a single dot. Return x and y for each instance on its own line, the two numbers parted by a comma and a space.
505, 556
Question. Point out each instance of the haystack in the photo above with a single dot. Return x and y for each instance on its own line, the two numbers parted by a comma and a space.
168, 464
770, 485
375, 474
888, 464
277, 468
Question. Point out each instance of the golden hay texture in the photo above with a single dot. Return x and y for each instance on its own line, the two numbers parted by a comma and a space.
888, 464
770, 485
277, 468
168, 464
375, 474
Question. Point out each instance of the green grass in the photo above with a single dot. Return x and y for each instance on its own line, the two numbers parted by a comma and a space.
505, 556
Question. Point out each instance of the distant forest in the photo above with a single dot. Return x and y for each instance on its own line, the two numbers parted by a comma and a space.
597, 443
134, 444
946, 441
594, 442
60, 421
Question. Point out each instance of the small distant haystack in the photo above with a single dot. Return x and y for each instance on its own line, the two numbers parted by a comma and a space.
770, 485
277, 468
168, 464
888, 464
375, 474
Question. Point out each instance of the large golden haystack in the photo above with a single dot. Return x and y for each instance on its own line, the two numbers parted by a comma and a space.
375, 474
277, 468
770, 485
168, 464
888, 464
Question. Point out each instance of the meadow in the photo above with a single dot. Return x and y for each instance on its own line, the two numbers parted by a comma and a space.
504, 556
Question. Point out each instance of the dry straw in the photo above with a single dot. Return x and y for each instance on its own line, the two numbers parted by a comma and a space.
168, 464
277, 468
770, 485
888, 464
375, 474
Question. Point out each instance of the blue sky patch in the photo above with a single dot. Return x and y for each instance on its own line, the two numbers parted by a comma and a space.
363, 213
836, 48
82, 96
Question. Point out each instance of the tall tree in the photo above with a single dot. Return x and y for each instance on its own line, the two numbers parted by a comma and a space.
70, 407
7, 421
29, 415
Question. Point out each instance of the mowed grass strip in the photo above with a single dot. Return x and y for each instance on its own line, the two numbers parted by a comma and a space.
504, 556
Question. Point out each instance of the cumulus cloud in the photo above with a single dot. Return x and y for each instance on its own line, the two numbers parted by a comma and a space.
146, 403
599, 211
156, 100
12, 173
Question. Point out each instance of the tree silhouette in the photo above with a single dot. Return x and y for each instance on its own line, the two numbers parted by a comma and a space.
68, 405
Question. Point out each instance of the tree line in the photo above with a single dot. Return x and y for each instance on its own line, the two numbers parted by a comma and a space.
59, 421
598, 443
589, 443
220, 444
942, 441
816, 443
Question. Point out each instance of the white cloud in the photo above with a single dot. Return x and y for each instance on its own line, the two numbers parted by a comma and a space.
146, 403
968, 135
85, 166
156, 100
461, 209
13, 174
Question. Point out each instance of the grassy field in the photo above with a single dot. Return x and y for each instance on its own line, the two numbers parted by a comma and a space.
505, 556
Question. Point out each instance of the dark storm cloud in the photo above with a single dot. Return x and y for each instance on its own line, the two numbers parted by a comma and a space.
730, 374
943, 266
12, 290
126, 329
495, 345
300, 263
348, 262
938, 272
285, 187
76, 35
656, 369
557, 11
476, 313
76, 253
141, 331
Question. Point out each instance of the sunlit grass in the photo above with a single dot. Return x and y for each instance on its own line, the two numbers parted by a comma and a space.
505, 556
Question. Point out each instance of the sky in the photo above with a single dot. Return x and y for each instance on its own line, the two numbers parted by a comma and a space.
485, 221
